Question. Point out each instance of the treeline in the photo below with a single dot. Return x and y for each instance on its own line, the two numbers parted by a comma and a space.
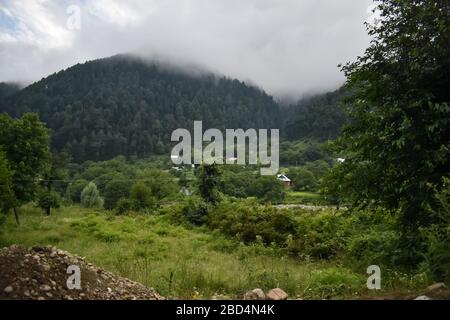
145, 184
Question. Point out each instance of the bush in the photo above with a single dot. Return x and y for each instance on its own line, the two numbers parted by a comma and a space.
249, 222
208, 183
437, 236
115, 190
374, 247
47, 200
90, 197
333, 281
320, 235
124, 205
7, 198
161, 184
195, 211
73, 192
303, 179
142, 197
268, 189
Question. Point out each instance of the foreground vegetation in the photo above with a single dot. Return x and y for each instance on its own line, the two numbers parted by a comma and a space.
193, 262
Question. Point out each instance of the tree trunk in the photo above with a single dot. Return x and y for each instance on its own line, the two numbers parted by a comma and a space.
16, 214
49, 188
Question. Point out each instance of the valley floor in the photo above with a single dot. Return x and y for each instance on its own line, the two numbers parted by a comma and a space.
192, 263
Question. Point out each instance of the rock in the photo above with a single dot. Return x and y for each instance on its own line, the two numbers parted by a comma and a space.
436, 287
422, 298
255, 294
220, 297
44, 274
44, 287
8, 289
276, 294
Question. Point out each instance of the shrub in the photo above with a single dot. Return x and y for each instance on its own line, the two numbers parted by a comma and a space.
437, 236
90, 197
249, 221
47, 200
373, 247
208, 182
115, 190
73, 192
124, 205
195, 211
320, 235
161, 184
6, 186
303, 179
330, 282
268, 189
142, 197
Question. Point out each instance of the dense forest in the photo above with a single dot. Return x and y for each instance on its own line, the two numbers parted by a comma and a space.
319, 117
7, 90
122, 105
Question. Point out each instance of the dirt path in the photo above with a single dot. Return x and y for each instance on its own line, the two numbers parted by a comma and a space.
303, 206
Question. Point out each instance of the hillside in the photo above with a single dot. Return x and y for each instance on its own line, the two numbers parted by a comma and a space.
7, 89
319, 117
122, 105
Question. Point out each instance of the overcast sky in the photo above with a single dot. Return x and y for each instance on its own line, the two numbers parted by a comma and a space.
287, 47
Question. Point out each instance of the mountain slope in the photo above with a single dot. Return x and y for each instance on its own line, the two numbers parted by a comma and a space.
319, 117
7, 90
122, 105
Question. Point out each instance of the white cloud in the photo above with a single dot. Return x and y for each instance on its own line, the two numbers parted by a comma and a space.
288, 47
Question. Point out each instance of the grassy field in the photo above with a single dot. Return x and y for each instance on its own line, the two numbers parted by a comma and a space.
302, 197
184, 263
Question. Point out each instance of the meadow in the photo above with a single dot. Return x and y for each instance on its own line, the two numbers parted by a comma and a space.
183, 261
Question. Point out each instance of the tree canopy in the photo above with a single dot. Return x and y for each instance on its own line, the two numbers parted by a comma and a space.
125, 106
25, 142
397, 145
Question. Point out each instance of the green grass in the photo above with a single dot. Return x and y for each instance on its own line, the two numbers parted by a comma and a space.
176, 261
302, 197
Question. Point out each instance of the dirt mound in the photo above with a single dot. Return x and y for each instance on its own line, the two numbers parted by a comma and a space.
42, 273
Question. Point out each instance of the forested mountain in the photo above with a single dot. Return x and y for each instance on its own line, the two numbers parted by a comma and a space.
8, 89
123, 105
319, 117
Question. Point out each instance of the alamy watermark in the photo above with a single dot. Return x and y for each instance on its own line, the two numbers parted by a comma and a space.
74, 280
374, 280
236, 142
74, 20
